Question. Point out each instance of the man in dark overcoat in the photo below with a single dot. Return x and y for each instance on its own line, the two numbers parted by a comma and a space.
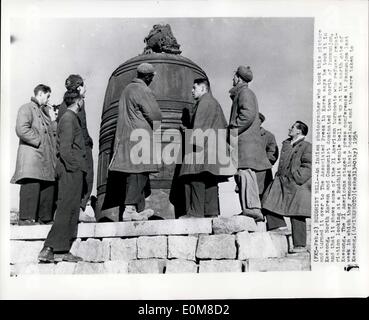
75, 82
290, 192
70, 168
35, 166
201, 175
252, 157
138, 113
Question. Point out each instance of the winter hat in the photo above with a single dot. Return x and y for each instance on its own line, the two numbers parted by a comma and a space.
73, 82
245, 73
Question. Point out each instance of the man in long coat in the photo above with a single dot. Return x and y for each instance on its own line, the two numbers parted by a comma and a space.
70, 168
251, 152
139, 112
35, 166
201, 177
75, 82
271, 148
290, 193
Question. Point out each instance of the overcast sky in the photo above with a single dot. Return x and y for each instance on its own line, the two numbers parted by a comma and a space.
279, 51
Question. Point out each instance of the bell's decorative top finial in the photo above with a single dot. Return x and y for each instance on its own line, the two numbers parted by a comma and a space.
161, 39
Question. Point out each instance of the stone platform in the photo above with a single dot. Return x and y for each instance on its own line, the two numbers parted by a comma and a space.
224, 244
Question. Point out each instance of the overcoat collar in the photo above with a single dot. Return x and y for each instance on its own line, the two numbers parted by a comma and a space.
34, 100
140, 81
297, 141
44, 109
202, 97
236, 89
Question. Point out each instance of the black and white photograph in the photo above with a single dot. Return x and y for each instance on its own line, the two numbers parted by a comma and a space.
164, 144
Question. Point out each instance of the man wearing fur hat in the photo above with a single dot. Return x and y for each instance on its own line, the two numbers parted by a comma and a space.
138, 110
75, 83
252, 157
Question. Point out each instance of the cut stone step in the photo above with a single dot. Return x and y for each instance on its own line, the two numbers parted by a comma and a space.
278, 264
146, 266
261, 245
120, 229
221, 246
182, 247
220, 266
181, 266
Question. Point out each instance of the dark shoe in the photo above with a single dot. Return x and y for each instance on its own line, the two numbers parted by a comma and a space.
299, 250
71, 258
155, 217
27, 222
281, 230
46, 255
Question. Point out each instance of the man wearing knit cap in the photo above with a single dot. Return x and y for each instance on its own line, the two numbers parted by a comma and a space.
252, 157
75, 84
138, 111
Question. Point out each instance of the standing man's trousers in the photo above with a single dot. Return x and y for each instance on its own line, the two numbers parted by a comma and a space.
89, 178
36, 199
201, 192
136, 184
298, 225
64, 229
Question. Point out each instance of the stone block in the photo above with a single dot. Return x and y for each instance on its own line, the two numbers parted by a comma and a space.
93, 250
89, 268
34, 268
116, 266
123, 249
288, 223
220, 246
146, 266
278, 264
152, 228
25, 251
308, 224
152, 247
14, 216
261, 226
13, 271
182, 247
229, 203
181, 266
220, 266
233, 224
280, 243
65, 268
261, 245
40, 232
120, 229
75, 246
